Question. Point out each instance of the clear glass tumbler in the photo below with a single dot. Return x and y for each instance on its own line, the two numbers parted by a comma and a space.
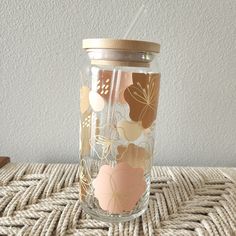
119, 90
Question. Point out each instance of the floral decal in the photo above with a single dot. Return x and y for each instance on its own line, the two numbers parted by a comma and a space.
104, 146
85, 130
104, 84
125, 81
88, 120
84, 180
134, 155
114, 91
96, 101
103, 143
119, 188
142, 97
129, 130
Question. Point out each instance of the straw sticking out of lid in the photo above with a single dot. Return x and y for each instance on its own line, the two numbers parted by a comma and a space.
134, 21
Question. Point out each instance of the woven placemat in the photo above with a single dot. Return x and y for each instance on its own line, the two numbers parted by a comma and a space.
40, 199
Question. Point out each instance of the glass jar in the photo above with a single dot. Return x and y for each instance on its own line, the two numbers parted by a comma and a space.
119, 90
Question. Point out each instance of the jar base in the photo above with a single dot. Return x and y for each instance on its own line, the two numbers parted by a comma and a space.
91, 207
114, 218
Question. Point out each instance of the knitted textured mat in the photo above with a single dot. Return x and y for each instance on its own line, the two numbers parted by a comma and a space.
40, 199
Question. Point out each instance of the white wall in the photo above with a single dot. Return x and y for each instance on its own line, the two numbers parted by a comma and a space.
40, 47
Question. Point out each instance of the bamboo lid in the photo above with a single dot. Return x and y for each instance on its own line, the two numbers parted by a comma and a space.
121, 44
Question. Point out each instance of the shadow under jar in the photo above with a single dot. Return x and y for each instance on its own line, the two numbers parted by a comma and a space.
119, 90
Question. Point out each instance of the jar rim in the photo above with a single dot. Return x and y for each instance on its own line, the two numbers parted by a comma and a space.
121, 44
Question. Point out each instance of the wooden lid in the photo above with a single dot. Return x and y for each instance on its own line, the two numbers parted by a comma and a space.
122, 44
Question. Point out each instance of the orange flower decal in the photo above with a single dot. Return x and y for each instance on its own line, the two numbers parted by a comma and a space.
119, 188
134, 155
104, 84
112, 84
125, 81
142, 97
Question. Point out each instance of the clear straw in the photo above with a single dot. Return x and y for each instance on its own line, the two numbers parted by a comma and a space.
133, 23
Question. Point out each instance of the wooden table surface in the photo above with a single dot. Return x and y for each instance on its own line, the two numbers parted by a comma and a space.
4, 161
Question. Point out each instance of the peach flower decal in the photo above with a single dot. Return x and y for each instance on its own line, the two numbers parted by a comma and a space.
142, 97
134, 155
129, 130
119, 188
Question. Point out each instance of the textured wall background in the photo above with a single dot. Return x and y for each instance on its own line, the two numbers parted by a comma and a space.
40, 48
